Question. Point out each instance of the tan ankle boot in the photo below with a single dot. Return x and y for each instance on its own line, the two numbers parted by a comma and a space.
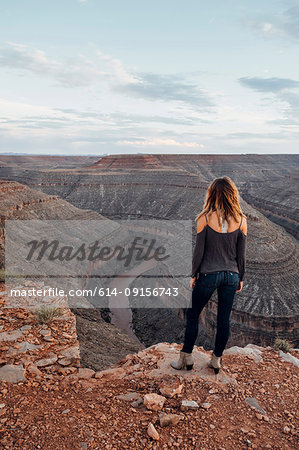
215, 363
185, 361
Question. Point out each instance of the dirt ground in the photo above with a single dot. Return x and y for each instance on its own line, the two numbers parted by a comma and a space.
62, 411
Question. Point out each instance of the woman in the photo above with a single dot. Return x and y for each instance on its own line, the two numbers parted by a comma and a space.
218, 262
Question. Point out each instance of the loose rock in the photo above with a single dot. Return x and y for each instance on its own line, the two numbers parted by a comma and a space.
129, 397
12, 373
206, 405
170, 419
171, 388
255, 405
85, 373
152, 432
47, 361
189, 404
154, 402
11, 335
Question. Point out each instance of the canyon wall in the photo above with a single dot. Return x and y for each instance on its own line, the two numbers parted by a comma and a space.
173, 187
95, 335
268, 182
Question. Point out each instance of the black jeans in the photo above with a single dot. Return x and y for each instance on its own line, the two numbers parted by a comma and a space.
226, 284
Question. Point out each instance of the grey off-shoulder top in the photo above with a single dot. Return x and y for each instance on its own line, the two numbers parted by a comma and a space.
215, 251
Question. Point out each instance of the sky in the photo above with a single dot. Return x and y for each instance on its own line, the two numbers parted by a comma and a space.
161, 76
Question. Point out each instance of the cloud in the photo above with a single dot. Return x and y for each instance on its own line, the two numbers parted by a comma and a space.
291, 98
291, 23
36, 123
291, 112
268, 84
254, 136
285, 25
17, 118
117, 68
166, 88
283, 91
155, 142
171, 120
74, 72
285, 123
70, 128
80, 71
133, 120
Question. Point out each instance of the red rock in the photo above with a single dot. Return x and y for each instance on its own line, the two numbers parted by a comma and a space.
206, 405
128, 397
52, 358
12, 373
170, 419
171, 388
152, 432
85, 373
117, 372
154, 402
33, 369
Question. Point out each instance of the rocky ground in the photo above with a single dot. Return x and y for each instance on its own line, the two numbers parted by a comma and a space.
48, 401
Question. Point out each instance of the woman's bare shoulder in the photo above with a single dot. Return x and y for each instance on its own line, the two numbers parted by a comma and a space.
243, 226
201, 223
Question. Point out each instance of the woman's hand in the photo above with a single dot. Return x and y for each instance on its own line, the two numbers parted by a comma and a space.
192, 282
240, 286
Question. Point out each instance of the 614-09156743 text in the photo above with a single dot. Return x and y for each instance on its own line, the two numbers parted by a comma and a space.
107, 292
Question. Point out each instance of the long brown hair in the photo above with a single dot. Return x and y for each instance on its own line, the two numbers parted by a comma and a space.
223, 197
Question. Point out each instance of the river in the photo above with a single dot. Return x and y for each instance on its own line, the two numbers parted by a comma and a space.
121, 314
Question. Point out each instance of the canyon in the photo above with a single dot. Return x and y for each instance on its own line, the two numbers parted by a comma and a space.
18, 202
172, 187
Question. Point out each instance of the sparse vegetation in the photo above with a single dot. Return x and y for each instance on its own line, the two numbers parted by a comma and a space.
2, 275
16, 272
283, 345
47, 313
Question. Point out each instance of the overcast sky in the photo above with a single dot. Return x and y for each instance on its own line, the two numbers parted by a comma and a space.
154, 76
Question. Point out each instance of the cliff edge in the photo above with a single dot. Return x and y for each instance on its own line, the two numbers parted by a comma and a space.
48, 401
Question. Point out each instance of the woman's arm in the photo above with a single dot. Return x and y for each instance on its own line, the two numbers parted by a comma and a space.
199, 247
241, 253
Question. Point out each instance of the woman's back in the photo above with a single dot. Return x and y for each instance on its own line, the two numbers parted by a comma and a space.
219, 248
229, 226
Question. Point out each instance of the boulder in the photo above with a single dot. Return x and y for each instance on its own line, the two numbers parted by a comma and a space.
52, 358
171, 388
152, 432
23, 347
189, 404
170, 419
85, 373
12, 373
33, 369
116, 372
70, 355
10, 335
289, 358
154, 402
128, 397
